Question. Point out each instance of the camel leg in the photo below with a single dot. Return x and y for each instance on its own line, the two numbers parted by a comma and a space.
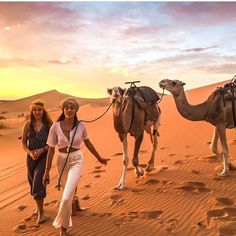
222, 134
153, 137
150, 166
123, 139
135, 161
213, 145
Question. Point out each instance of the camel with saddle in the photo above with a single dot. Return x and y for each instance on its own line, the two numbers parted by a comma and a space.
219, 110
135, 110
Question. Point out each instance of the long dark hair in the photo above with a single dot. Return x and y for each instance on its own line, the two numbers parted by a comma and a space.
62, 117
47, 121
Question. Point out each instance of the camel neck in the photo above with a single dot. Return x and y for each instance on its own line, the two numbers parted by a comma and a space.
191, 112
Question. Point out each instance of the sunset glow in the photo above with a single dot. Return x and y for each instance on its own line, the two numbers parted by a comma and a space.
81, 48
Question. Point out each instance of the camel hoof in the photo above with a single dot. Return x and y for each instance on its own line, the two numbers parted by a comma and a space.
120, 187
149, 168
223, 174
139, 171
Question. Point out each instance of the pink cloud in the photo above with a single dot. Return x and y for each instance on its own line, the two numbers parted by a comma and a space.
19, 13
201, 13
222, 69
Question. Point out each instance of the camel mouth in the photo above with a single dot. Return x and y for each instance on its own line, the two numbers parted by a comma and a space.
162, 84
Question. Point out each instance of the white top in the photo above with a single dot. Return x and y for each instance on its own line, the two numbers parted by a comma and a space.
57, 137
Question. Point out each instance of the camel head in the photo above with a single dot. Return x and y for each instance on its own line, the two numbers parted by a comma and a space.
116, 94
173, 86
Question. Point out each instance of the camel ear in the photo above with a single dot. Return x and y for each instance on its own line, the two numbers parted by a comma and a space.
183, 84
109, 91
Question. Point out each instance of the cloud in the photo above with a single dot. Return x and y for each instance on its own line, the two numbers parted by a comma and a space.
59, 62
219, 69
200, 13
199, 49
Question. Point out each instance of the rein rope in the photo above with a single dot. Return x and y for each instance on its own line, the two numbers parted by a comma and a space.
163, 90
90, 121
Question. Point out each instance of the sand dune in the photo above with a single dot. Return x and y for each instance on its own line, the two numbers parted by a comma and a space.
51, 98
182, 196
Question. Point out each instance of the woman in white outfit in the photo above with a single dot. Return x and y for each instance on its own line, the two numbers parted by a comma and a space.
61, 134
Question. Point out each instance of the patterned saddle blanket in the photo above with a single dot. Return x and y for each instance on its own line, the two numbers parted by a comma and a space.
146, 93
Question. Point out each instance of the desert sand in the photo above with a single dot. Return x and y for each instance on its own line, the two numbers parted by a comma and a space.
183, 195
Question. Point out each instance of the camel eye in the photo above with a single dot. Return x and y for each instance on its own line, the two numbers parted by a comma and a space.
173, 83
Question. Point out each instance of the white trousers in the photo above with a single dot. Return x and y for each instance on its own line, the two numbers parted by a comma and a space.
69, 181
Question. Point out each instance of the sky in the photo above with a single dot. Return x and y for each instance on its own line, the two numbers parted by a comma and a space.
82, 48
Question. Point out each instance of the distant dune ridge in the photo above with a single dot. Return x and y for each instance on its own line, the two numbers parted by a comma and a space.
183, 195
51, 98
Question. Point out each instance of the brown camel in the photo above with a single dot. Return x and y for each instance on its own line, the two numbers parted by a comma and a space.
218, 110
132, 115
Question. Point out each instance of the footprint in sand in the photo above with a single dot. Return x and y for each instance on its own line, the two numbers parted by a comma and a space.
87, 186
20, 228
97, 171
166, 182
117, 200
196, 172
211, 159
152, 182
151, 214
171, 225
137, 190
97, 167
117, 154
97, 176
105, 214
53, 202
228, 229
172, 154
223, 214
188, 155
225, 201
21, 208
180, 162
202, 224
194, 187
218, 178
133, 215
86, 197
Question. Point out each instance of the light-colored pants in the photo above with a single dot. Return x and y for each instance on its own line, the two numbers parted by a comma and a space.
69, 181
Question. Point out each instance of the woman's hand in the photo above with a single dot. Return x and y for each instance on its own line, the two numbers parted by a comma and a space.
38, 153
32, 155
46, 178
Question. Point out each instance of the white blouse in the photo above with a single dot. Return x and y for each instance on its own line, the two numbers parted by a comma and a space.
57, 137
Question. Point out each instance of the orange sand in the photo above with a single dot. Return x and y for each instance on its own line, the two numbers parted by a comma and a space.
182, 196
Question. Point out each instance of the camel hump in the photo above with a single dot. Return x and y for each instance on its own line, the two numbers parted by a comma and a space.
146, 93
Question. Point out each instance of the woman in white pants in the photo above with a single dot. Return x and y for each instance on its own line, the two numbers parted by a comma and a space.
61, 134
